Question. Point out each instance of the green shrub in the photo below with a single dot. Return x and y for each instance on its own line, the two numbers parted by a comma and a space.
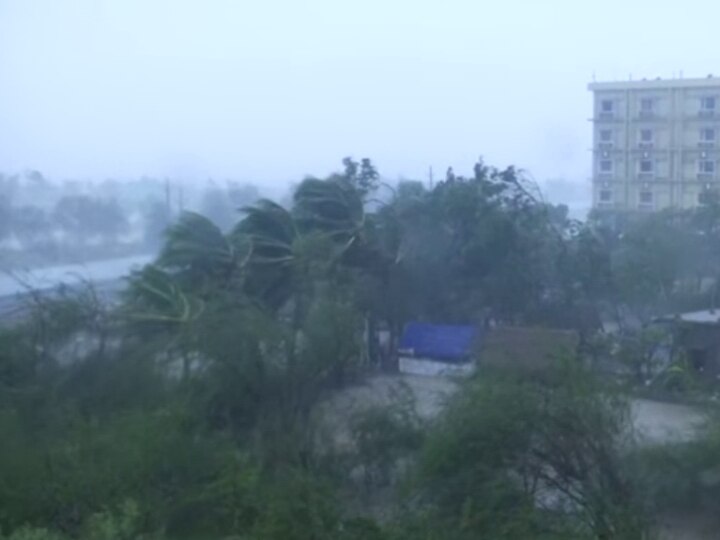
30, 533
384, 434
123, 524
525, 459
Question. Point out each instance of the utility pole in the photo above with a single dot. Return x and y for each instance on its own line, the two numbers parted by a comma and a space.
168, 202
181, 198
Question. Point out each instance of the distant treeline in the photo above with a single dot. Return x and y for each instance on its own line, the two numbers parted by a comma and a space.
44, 222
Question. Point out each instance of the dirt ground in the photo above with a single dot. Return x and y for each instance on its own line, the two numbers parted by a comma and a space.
654, 423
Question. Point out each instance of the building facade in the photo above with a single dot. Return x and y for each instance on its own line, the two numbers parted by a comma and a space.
655, 143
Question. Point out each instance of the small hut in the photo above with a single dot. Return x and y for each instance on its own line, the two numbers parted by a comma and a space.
437, 349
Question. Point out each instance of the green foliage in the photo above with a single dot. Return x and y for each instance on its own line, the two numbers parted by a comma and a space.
74, 468
121, 525
363, 176
473, 245
298, 507
200, 252
526, 458
679, 379
383, 435
154, 296
108, 443
272, 234
31, 533
638, 351
682, 476
331, 339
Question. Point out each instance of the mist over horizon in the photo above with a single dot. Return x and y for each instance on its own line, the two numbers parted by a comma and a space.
272, 93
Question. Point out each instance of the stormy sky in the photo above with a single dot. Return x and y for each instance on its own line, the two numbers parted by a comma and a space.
270, 90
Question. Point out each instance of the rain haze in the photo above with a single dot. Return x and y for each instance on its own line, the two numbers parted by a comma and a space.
281, 270
271, 91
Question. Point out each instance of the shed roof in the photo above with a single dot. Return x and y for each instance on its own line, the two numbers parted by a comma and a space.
529, 348
438, 341
707, 316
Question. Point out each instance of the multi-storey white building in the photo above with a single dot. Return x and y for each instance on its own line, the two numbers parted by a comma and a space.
655, 143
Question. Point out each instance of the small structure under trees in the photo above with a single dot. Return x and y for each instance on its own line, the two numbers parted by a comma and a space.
697, 335
527, 349
435, 349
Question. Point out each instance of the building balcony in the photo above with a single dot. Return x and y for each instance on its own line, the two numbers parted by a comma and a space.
605, 205
606, 118
649, 116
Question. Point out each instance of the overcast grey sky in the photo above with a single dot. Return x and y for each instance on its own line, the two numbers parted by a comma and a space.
271, 90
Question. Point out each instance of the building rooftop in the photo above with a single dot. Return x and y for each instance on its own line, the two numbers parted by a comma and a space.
438, 341
646, 84
707, 316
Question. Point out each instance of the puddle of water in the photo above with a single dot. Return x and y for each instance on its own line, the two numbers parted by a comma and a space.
658, 423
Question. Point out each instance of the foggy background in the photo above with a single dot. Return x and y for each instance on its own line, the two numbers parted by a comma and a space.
267, 92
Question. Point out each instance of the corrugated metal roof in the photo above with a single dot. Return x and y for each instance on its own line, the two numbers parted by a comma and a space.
707, 316
442, 342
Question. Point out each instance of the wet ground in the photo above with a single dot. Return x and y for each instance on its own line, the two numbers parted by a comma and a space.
654, 423
658, 422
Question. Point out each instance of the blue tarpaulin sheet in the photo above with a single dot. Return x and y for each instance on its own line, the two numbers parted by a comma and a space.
438, 341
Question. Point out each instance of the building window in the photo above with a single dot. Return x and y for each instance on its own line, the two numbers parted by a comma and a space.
646, 105
707, 104
706, 167
646, 136
646, 198
605, 196
646, 166
606, 166
606, 136
607, 106
707, 135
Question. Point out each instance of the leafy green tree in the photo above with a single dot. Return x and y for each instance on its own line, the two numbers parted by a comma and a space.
31, 225
476, 245
200, 254
363, 175
83, 217
519, 459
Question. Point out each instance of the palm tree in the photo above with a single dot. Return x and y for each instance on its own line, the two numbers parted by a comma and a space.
153, 296
200, 256
272, 236
273, 255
